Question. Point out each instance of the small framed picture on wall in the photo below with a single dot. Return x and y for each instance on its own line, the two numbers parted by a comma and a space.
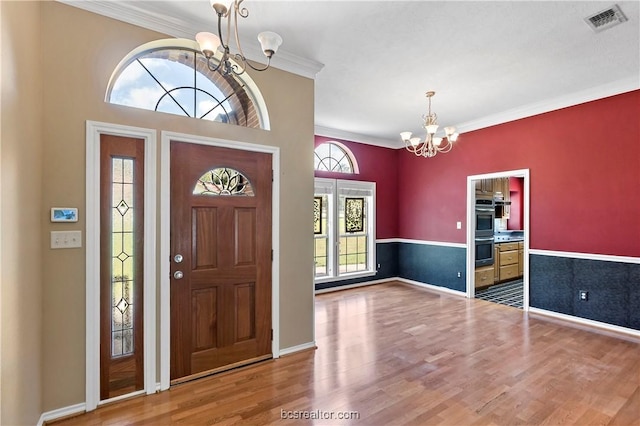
64, 214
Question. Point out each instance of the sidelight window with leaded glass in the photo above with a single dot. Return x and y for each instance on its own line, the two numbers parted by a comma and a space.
123, 272
121, 265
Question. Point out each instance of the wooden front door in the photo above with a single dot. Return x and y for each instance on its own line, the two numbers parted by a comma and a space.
220, 258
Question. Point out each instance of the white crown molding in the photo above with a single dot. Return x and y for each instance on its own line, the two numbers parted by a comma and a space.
356, 137
599, 92
128, 12
576, 98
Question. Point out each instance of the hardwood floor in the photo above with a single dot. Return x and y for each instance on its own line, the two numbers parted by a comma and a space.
397, 354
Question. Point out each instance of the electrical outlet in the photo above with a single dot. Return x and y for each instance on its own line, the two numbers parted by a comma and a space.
459, 275
584, 295
378, 266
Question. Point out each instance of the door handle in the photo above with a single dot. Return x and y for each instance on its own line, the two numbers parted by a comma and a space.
178, 275
178, 258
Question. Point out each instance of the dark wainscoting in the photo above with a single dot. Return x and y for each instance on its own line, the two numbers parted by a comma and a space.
433, 264
614, 289
430, 264
386, 257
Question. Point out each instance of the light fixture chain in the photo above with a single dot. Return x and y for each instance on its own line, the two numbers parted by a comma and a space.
209, 43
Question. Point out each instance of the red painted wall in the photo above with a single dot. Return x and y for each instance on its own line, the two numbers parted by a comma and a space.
516, 211
584, 166
378, 165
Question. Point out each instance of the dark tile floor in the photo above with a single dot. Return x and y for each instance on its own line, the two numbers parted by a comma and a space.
509, 293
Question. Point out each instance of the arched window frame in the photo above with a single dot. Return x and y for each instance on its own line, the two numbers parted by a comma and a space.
223, 181
345, 152
245, 81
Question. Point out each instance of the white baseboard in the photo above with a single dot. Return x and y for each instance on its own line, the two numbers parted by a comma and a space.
356, 285
61, 412
402, 280
432, 287
298, 348
82, 407
587, 322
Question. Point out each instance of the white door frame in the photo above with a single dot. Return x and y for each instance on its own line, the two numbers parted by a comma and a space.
92, 240
471, 196
165, 249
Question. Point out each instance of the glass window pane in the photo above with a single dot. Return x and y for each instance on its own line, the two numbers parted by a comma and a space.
223, 181
176, 80
123, 252
331, 157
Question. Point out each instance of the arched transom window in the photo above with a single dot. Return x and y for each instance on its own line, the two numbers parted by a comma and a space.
334, 157
172, 76
223, 181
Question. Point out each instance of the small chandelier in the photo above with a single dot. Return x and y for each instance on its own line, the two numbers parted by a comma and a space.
431, 144
211, 43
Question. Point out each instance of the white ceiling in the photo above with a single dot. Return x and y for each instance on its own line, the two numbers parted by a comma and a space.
489, 62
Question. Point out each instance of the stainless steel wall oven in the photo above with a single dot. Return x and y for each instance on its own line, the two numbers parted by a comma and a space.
485, 216
485, 224
484, 251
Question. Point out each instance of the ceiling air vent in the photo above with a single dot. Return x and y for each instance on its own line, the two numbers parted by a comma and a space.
606, 19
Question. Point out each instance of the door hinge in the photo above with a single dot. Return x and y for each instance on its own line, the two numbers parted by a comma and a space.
272, 175
272, 334
272, 255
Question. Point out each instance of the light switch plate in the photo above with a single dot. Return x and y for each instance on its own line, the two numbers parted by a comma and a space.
458, 225
66, 239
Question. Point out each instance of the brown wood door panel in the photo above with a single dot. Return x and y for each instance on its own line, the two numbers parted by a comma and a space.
205, 318
204, 238
221, 308
244, 304
244, 236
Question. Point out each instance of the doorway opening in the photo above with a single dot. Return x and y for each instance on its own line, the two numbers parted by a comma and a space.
498, 237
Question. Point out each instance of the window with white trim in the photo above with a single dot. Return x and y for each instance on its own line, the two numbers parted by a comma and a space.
334, 157
172, 76
344, 229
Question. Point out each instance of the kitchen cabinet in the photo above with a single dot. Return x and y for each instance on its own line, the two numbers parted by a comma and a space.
496, 263
484, 276
509, 272
494, 185
502, 185
508, 264
484, 185
509, 261
521, 258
